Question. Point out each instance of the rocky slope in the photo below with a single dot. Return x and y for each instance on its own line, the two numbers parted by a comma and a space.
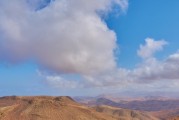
143, 105
167, 114
124, 114
46, 108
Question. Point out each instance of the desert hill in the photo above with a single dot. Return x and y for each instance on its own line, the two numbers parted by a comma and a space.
162, 108
46, 108
167, 114
175, 118
143, 105
124, 114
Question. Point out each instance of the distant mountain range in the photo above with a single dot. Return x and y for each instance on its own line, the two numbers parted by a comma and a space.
124, 114
144, 104
163, 108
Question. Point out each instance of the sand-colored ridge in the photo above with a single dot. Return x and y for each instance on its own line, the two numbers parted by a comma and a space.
46, 108
124, 114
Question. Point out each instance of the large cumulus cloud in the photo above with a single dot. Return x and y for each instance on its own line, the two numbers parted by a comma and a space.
64, 36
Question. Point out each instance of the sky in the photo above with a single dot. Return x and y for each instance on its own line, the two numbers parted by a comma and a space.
86, 48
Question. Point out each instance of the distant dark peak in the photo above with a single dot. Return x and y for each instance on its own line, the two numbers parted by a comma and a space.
64, 98
104, 101
10, 97
32, 99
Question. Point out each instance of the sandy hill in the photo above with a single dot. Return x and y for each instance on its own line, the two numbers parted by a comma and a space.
175, 118
124, 114
46, 108
167, 114
150, 104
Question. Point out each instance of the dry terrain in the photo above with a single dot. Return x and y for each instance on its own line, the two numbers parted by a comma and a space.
124, 114
167, 114
46, 108
62, 108
143, 105
160, 107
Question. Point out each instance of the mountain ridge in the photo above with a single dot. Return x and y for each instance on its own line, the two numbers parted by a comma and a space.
46, 108
59, 108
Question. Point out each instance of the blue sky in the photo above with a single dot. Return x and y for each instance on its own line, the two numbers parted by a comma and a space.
27, 73
157, 19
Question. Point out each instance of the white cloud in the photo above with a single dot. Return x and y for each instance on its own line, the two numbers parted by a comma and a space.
123, 4
148, 73
116, 77
150, 48
153, 69
67, 36
60, 82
